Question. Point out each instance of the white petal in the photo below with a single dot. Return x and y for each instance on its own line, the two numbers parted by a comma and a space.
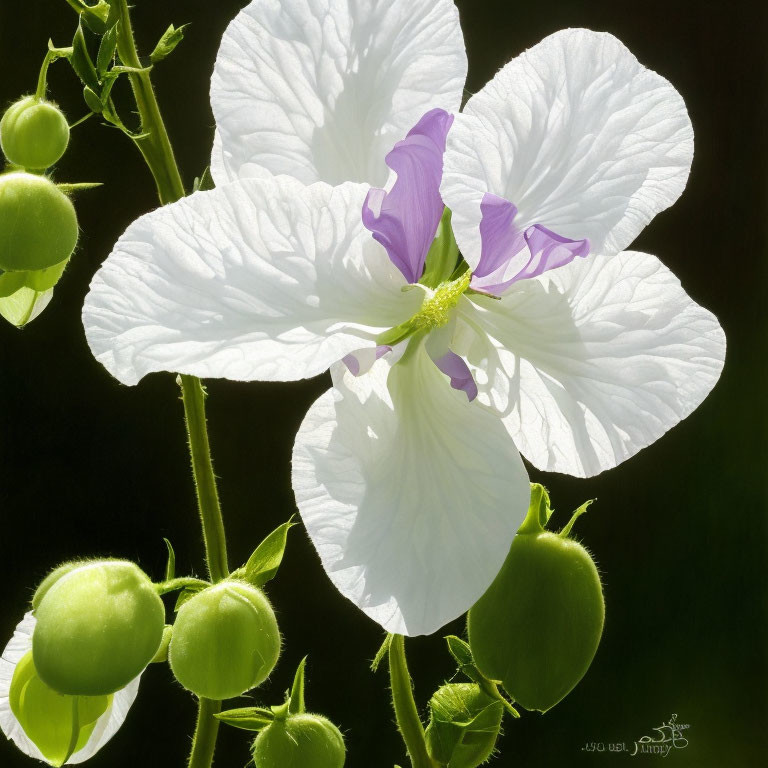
106, 726
262, 279
578, 135
600, 359
18, 647
411, 494
321, 90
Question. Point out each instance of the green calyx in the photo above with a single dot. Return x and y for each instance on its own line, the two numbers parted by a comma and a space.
538, 626
34, 134
98, 626
435, 310
464, 725
225, 640
58, 725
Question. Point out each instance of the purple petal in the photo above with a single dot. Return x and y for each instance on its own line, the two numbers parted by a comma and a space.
362, 360
404, 220
509, 255
458, 371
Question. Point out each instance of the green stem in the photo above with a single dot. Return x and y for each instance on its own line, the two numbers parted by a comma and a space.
193, 394
406, 713
155, 146
204, 741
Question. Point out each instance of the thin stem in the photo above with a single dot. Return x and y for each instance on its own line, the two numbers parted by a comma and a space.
406, 714
155, 146
204, 741
193, 395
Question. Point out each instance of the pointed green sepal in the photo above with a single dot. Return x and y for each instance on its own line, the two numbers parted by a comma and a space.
205, 182
382, 653
187, 594
107, 49
296, 704
539, 511
82, 62
167, 43
170, 566
443, 254
247, 718
574, 517
263, 564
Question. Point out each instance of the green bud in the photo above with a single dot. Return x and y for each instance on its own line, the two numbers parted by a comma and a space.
299, 741
464, 725
98, 627
538, 626
34, 134
225, 640
38, 224
52, 578
58, 725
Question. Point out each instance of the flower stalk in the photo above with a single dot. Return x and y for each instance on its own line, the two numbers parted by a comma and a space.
406, 713
155, 147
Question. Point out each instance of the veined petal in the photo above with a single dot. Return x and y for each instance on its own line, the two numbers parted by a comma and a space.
576, 133
106, 726
321, 90
411, 494
592, 362
262, 279
405, 218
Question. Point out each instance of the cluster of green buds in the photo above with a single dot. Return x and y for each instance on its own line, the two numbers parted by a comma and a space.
72, 669
38, 224
538, 626
289, 736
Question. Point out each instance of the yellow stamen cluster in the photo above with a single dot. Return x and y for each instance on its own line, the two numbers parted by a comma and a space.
436, 309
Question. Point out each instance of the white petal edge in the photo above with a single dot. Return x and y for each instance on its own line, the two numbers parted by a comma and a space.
411, 495
257, 280
592, 362
321, 90
106, 726
579, 135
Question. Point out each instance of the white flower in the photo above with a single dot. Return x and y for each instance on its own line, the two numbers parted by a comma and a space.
104, 729
555, 344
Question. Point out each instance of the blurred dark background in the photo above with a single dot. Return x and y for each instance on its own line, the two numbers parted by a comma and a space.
90, 467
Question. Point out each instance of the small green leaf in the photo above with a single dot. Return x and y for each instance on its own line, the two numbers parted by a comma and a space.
574, 517
92, 100
81, 186
165, 46
96, 16
170, 566
262, 565
296, 704
81, 61
381, 653
106, 51
247, 718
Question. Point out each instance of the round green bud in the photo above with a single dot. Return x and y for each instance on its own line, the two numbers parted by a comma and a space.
51, 579
464, 725
300, 741
38, 224
34, 134
225, 641
58, 725
98, 627
538, 626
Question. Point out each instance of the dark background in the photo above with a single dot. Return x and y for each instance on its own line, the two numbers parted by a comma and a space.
90, 467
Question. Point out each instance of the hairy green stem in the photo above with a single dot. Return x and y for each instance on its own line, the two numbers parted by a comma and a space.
154, 143
406, 713
204, 741
194, 396
155, 147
